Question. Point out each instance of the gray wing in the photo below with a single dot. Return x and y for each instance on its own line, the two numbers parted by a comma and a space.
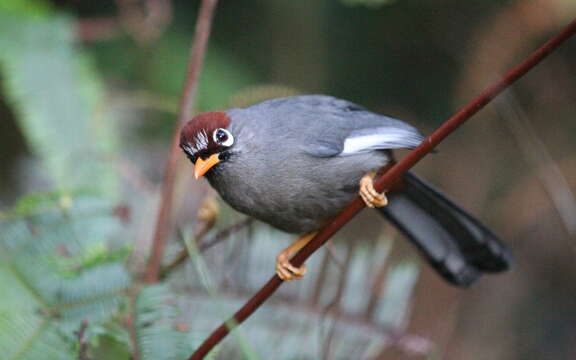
335, 127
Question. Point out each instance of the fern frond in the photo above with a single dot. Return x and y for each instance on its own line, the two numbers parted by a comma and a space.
58, 100
60, 272
156, 325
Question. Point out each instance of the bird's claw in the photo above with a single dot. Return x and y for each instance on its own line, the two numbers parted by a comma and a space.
287, 271
370, 196
209, 210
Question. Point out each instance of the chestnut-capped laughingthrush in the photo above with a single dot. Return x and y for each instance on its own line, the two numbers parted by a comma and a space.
296, 162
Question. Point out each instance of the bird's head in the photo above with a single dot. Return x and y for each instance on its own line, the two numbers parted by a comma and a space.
206, 141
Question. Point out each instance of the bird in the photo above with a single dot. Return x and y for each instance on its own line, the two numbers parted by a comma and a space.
296, 162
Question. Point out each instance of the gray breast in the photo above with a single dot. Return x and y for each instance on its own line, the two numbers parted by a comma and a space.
269, 176
296, 200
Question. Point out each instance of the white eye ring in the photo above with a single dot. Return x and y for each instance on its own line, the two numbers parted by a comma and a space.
223, 137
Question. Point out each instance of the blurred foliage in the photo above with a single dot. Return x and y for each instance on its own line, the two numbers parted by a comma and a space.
58, 98
160, 336
96, 107
368, 3
50, 296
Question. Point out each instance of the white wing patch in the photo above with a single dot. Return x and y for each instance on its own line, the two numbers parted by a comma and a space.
383, 138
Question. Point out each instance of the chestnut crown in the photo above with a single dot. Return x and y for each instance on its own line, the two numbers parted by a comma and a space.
205, 135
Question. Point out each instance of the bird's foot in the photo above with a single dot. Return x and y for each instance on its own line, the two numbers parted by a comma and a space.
284, 269
367, 192
287, 271
209, 210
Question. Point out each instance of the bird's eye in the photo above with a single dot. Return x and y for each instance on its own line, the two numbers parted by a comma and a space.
223, 137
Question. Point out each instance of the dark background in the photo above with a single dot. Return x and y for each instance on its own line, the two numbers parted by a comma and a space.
512, 165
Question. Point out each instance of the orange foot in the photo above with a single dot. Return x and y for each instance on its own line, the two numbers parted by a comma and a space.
284, 269
367, 192
209, 210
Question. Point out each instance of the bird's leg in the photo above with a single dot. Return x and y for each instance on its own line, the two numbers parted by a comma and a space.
284, 269
207, 215
367, 192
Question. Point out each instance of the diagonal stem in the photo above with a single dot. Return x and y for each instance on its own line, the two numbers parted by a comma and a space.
386, 180
199, 44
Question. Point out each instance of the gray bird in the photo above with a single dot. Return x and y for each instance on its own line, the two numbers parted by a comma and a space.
296, 162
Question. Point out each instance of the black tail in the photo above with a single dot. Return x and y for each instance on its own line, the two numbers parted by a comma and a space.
453, 242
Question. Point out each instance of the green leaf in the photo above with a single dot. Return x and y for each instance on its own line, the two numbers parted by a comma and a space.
45, 305
58, 100
109, 348
156, 326
31, 337
29, 8
39, 202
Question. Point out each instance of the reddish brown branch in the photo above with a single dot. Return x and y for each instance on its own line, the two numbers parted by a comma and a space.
82, 344
199, 43
386, 180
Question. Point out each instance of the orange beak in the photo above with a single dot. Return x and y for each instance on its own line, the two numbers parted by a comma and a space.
202, 166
